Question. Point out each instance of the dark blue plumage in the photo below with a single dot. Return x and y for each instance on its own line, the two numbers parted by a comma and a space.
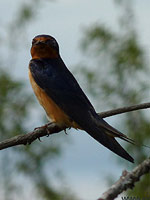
60, 85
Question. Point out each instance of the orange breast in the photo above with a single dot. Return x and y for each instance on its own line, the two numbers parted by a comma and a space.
53, 111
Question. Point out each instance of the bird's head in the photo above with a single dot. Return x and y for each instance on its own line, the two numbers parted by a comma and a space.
44, 46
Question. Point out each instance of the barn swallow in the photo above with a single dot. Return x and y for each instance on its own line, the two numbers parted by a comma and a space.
63, 99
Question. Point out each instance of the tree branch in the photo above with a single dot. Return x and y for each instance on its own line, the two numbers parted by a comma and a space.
127, 181
124, 110
46, 130
52, 128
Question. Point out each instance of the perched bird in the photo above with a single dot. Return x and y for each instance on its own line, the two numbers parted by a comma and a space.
63, 99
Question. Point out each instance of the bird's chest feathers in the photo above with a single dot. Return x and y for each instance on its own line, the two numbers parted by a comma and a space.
53, 111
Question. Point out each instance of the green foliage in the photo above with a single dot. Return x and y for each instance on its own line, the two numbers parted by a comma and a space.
13, 106
120, 77
14, 109
30, 162
32, 167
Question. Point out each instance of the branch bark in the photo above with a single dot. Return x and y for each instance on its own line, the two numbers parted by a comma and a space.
52, 128
124, 110
46, 130
126, 181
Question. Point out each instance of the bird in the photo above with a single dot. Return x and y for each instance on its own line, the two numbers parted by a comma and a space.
62, 98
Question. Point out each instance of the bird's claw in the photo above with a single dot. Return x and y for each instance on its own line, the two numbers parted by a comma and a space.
65, 131
39, 139
43, 127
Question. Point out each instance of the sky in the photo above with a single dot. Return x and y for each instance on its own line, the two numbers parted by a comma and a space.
85, 163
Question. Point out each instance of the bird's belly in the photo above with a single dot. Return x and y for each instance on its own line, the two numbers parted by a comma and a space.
55, 113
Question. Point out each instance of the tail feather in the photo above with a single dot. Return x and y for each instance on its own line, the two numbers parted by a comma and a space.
115, 133
112, 131
110, 143
103, 134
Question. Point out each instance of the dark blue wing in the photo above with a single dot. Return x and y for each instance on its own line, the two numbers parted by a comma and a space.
60, 85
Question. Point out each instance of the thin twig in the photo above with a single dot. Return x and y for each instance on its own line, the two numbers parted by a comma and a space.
127, 181
52, 128
124, 110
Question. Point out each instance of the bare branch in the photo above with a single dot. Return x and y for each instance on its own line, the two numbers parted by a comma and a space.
46, 130
127, 181
124, 110
52, 128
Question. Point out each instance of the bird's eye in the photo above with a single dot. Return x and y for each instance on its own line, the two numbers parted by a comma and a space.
33, 41
53, 44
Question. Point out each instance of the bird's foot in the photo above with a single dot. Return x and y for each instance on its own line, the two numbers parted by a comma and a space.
43, 127
65, 131
39, 139
47, 130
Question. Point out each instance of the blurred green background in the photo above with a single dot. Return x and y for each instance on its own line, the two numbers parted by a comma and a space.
105, 45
